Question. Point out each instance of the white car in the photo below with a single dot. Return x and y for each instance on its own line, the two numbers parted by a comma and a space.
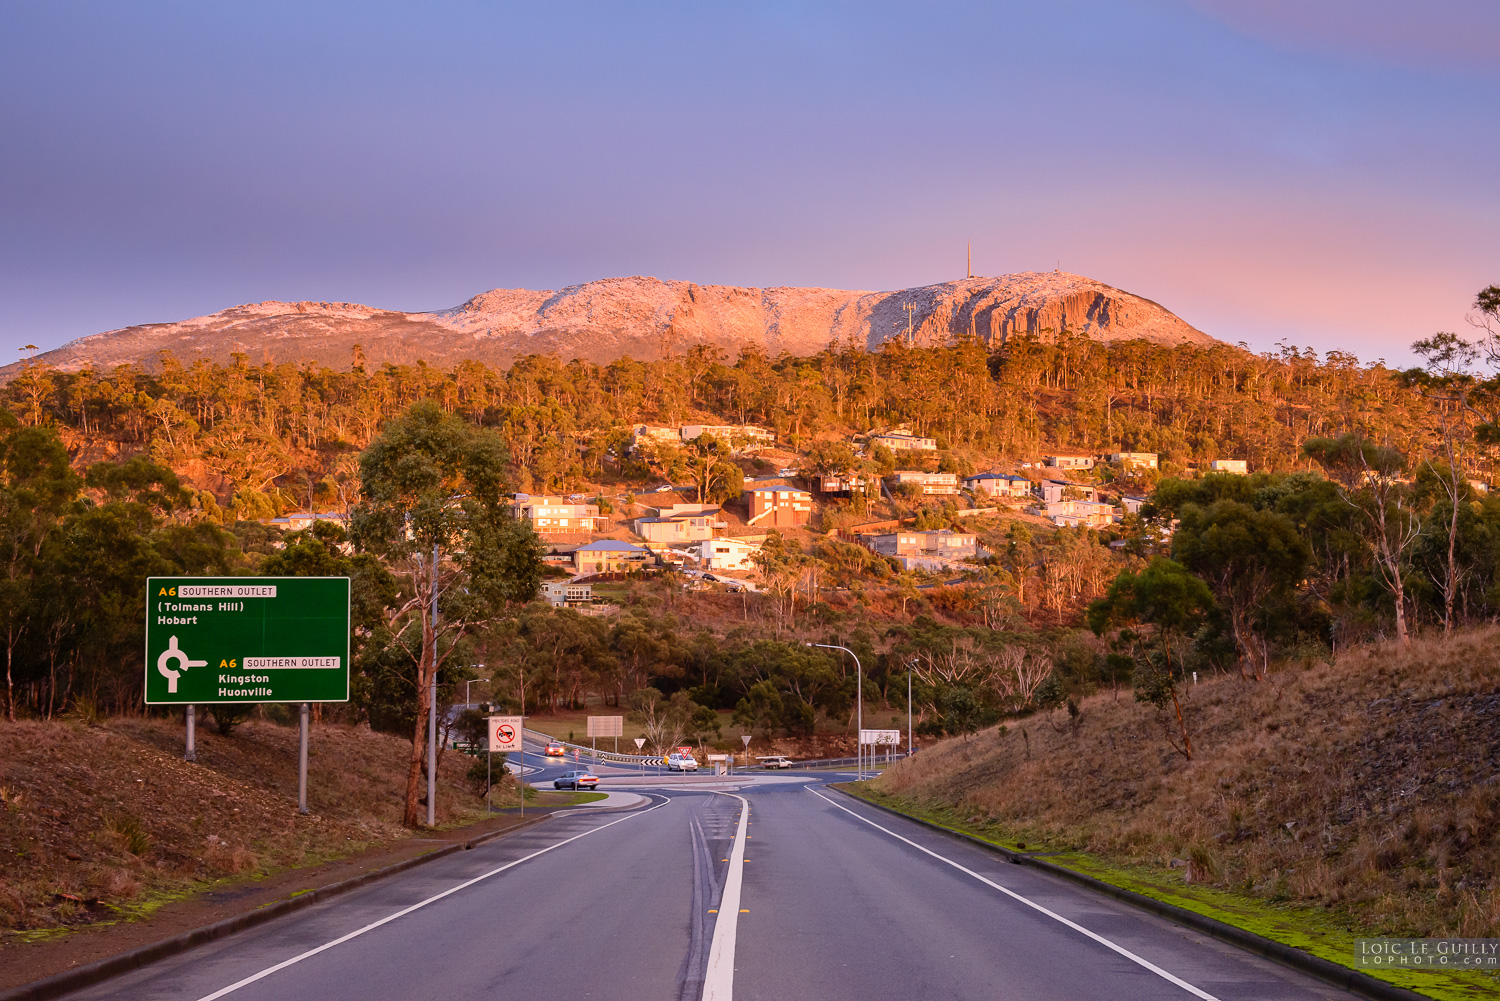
681, 763
775, 761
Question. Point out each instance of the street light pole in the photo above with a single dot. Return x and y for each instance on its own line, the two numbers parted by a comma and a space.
910, 746
859, 703
470, 681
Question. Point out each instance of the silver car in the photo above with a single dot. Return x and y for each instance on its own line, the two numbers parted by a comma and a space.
580, 779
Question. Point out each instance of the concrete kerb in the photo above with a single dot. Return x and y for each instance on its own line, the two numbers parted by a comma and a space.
1325, 970
93, 973
612, 802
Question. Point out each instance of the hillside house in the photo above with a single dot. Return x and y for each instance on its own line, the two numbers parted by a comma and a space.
556, 515
842, 484
608, 555
1137, 460
1069, 461
1133, 504
1237, 466
559, 555
730, 434
898, 441
855, 533
924, 550
1075, 513
561, 594
998, 484
680, 523
778, 506
297, 521
1053, 491
650, 434
930, 483
729, 554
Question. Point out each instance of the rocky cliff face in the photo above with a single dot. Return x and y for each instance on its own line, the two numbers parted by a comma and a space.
642, 318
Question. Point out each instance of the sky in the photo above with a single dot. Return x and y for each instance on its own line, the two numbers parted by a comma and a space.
1319, 173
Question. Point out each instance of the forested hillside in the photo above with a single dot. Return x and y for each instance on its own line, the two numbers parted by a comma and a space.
264, 438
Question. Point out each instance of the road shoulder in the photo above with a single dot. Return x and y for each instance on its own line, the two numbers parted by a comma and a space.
1316, 954
50, 967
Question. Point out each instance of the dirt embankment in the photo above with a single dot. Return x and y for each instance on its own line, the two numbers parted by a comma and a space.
1370, 786
102, 821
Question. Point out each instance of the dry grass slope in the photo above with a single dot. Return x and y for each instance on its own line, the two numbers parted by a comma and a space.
101, 820
1368, 786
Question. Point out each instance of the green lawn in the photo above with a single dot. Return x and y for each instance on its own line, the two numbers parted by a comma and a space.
573, 798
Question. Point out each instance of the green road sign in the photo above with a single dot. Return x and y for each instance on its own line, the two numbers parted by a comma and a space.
247, 639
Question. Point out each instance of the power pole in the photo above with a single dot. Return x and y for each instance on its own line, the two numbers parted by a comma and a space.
432, 703
910, 307
970, 250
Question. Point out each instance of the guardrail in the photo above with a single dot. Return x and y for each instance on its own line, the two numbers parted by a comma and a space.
597, 755
870, 760
657, 759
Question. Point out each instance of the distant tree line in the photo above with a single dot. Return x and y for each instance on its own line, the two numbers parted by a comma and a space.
256, 440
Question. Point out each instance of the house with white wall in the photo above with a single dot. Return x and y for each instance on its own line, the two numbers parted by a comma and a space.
729, 554
929, 483
999, 484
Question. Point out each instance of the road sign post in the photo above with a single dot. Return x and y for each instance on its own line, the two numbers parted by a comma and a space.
302, 758
506, 733
877, 738
640, 742
606, 726
746, 738
247, 640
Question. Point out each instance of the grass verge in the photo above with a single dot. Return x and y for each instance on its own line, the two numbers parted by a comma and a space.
575, 798
1319, 931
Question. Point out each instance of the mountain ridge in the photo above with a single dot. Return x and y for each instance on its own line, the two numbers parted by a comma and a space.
640, 317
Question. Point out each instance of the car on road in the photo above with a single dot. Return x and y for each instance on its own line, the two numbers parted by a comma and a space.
775, 761
555, 750
679, 762
581, 779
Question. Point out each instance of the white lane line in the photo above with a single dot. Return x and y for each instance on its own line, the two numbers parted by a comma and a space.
414, 907
1032, 904
718, 978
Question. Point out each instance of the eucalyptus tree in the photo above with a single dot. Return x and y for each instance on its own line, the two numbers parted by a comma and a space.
1173, 603
431, 508
1370, 480
37, 486
1252, 559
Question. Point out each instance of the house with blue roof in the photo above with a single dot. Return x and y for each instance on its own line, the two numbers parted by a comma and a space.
999, 484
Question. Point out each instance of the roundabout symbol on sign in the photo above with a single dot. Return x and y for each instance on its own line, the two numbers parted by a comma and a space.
173, 654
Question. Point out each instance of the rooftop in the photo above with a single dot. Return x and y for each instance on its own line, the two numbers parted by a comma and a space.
610, 546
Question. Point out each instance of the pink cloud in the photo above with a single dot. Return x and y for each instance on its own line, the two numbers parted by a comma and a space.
1432, 34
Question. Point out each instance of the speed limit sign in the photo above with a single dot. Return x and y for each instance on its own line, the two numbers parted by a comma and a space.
505, 733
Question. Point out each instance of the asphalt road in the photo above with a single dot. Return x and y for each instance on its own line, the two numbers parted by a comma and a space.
808, 896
